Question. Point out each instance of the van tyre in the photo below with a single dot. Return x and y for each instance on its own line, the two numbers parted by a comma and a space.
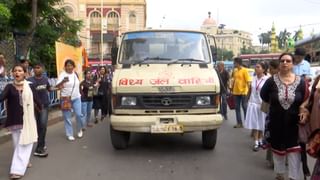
209, 138
119, 139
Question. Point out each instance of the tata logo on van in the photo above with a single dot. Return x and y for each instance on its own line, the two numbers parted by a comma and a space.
166, 101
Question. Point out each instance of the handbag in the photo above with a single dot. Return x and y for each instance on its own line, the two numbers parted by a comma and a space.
231, 102
304, 132
313, 145
65, 103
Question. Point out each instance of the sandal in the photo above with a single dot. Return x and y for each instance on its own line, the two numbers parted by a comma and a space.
15, 176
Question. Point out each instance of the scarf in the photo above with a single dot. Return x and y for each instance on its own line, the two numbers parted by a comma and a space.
29, 129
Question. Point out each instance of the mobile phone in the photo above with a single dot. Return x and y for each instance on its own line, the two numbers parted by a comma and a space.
66, 78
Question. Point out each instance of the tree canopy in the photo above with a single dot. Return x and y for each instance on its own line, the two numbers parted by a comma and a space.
224, 54
35, 25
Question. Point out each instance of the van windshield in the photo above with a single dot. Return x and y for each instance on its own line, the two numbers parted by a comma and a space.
164, 47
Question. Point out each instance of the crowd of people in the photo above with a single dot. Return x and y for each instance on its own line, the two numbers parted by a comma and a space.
275, 102
27, 103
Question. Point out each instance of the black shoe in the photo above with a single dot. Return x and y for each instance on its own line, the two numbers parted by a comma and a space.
40, 153
96, 121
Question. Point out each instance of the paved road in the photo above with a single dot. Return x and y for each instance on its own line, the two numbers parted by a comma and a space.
149, 157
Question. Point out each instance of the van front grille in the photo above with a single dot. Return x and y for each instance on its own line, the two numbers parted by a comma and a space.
170, 101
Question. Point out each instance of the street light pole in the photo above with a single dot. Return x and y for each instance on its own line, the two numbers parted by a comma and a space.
101, 33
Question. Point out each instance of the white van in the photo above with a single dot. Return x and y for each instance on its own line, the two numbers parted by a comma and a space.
164, 82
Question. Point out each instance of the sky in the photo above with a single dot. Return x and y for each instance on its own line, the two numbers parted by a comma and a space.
254, 16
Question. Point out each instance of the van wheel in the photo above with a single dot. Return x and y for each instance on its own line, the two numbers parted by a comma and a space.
209, 138
119, 139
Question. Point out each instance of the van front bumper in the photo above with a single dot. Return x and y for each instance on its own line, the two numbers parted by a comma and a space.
143, 123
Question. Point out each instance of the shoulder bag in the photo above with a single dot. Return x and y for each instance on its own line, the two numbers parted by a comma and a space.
65, 101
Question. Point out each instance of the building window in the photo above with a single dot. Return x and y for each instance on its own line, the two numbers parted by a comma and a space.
95, 21
113, 21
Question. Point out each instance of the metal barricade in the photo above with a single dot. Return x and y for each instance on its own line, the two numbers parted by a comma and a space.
53, 96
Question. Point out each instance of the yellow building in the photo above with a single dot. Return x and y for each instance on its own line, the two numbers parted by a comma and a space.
116, 17
228, 39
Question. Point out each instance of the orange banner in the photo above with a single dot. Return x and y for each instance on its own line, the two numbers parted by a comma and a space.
64, 52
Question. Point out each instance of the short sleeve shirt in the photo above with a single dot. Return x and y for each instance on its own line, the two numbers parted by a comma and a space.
41, 86
72, 87
241, 78
303, 68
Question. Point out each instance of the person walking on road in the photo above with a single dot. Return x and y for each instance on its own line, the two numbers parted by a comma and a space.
285, 92
68, 83
255, 119
224, 76
42, 87
86, 91
239, 88
100, 98
273, 69
312, 107
21, 122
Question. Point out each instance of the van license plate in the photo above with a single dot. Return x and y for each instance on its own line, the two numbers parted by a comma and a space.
167, 128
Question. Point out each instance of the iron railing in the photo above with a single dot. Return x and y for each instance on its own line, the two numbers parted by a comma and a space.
53, 97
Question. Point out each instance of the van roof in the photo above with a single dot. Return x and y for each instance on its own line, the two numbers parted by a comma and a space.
165, 30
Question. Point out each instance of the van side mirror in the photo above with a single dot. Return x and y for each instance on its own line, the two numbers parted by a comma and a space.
114, 55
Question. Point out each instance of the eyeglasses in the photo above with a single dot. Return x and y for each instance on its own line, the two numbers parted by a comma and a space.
285, 61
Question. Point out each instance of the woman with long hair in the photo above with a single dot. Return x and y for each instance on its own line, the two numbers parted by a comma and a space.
100, 99
21, 122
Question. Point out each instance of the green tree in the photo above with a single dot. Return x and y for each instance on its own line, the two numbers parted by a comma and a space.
224, 54
264, 51
49, 31
247, 50
283, 39
35, 25
265, 38
5, 16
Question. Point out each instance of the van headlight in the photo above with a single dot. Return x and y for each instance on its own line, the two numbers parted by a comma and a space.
128, 101
203, 100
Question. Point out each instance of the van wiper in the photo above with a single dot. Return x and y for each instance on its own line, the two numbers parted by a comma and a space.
150, 58
186, 59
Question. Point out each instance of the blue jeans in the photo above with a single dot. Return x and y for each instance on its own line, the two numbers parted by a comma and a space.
42, 121
86, 111
224, 109
76, 107
241, 100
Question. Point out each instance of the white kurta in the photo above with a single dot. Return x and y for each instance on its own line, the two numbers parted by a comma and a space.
255, 118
